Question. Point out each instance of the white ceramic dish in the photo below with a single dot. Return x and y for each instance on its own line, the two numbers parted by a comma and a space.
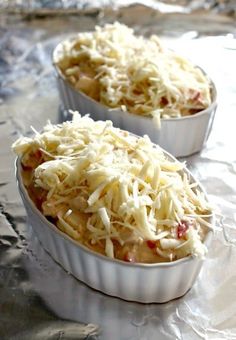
180, 136
134, 282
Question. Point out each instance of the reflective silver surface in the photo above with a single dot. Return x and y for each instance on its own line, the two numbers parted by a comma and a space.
38, 299
42, 7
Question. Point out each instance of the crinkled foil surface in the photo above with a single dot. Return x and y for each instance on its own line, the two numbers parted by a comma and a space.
38, 299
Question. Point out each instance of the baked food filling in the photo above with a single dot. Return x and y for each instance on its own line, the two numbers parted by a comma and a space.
118, 194
121, 70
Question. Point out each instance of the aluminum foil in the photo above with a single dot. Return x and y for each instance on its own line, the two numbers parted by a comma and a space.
42, 7
38, 299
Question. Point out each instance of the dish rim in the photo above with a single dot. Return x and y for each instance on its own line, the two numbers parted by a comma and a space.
43, 219
59, 73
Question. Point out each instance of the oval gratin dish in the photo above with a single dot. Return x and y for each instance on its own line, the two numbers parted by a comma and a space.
146, 283
182, 136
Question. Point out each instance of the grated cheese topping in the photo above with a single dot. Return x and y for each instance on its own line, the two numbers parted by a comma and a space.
109, 190
134, 74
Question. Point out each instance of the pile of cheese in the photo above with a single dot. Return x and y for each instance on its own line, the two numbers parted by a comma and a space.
119, 187
138, 75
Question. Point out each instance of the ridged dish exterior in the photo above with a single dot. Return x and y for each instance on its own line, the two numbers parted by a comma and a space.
179, 136
134, 282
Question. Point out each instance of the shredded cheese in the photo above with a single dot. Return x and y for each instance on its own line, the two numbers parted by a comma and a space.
134, 74
113, 188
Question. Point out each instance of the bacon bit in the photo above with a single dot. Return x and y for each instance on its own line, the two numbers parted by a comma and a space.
26, 167
182, 229
38, 154
164, 101
151, 244
195, 95
129, 257
40, 199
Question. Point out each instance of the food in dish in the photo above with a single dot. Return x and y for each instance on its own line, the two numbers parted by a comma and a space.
114, 192
137, 75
